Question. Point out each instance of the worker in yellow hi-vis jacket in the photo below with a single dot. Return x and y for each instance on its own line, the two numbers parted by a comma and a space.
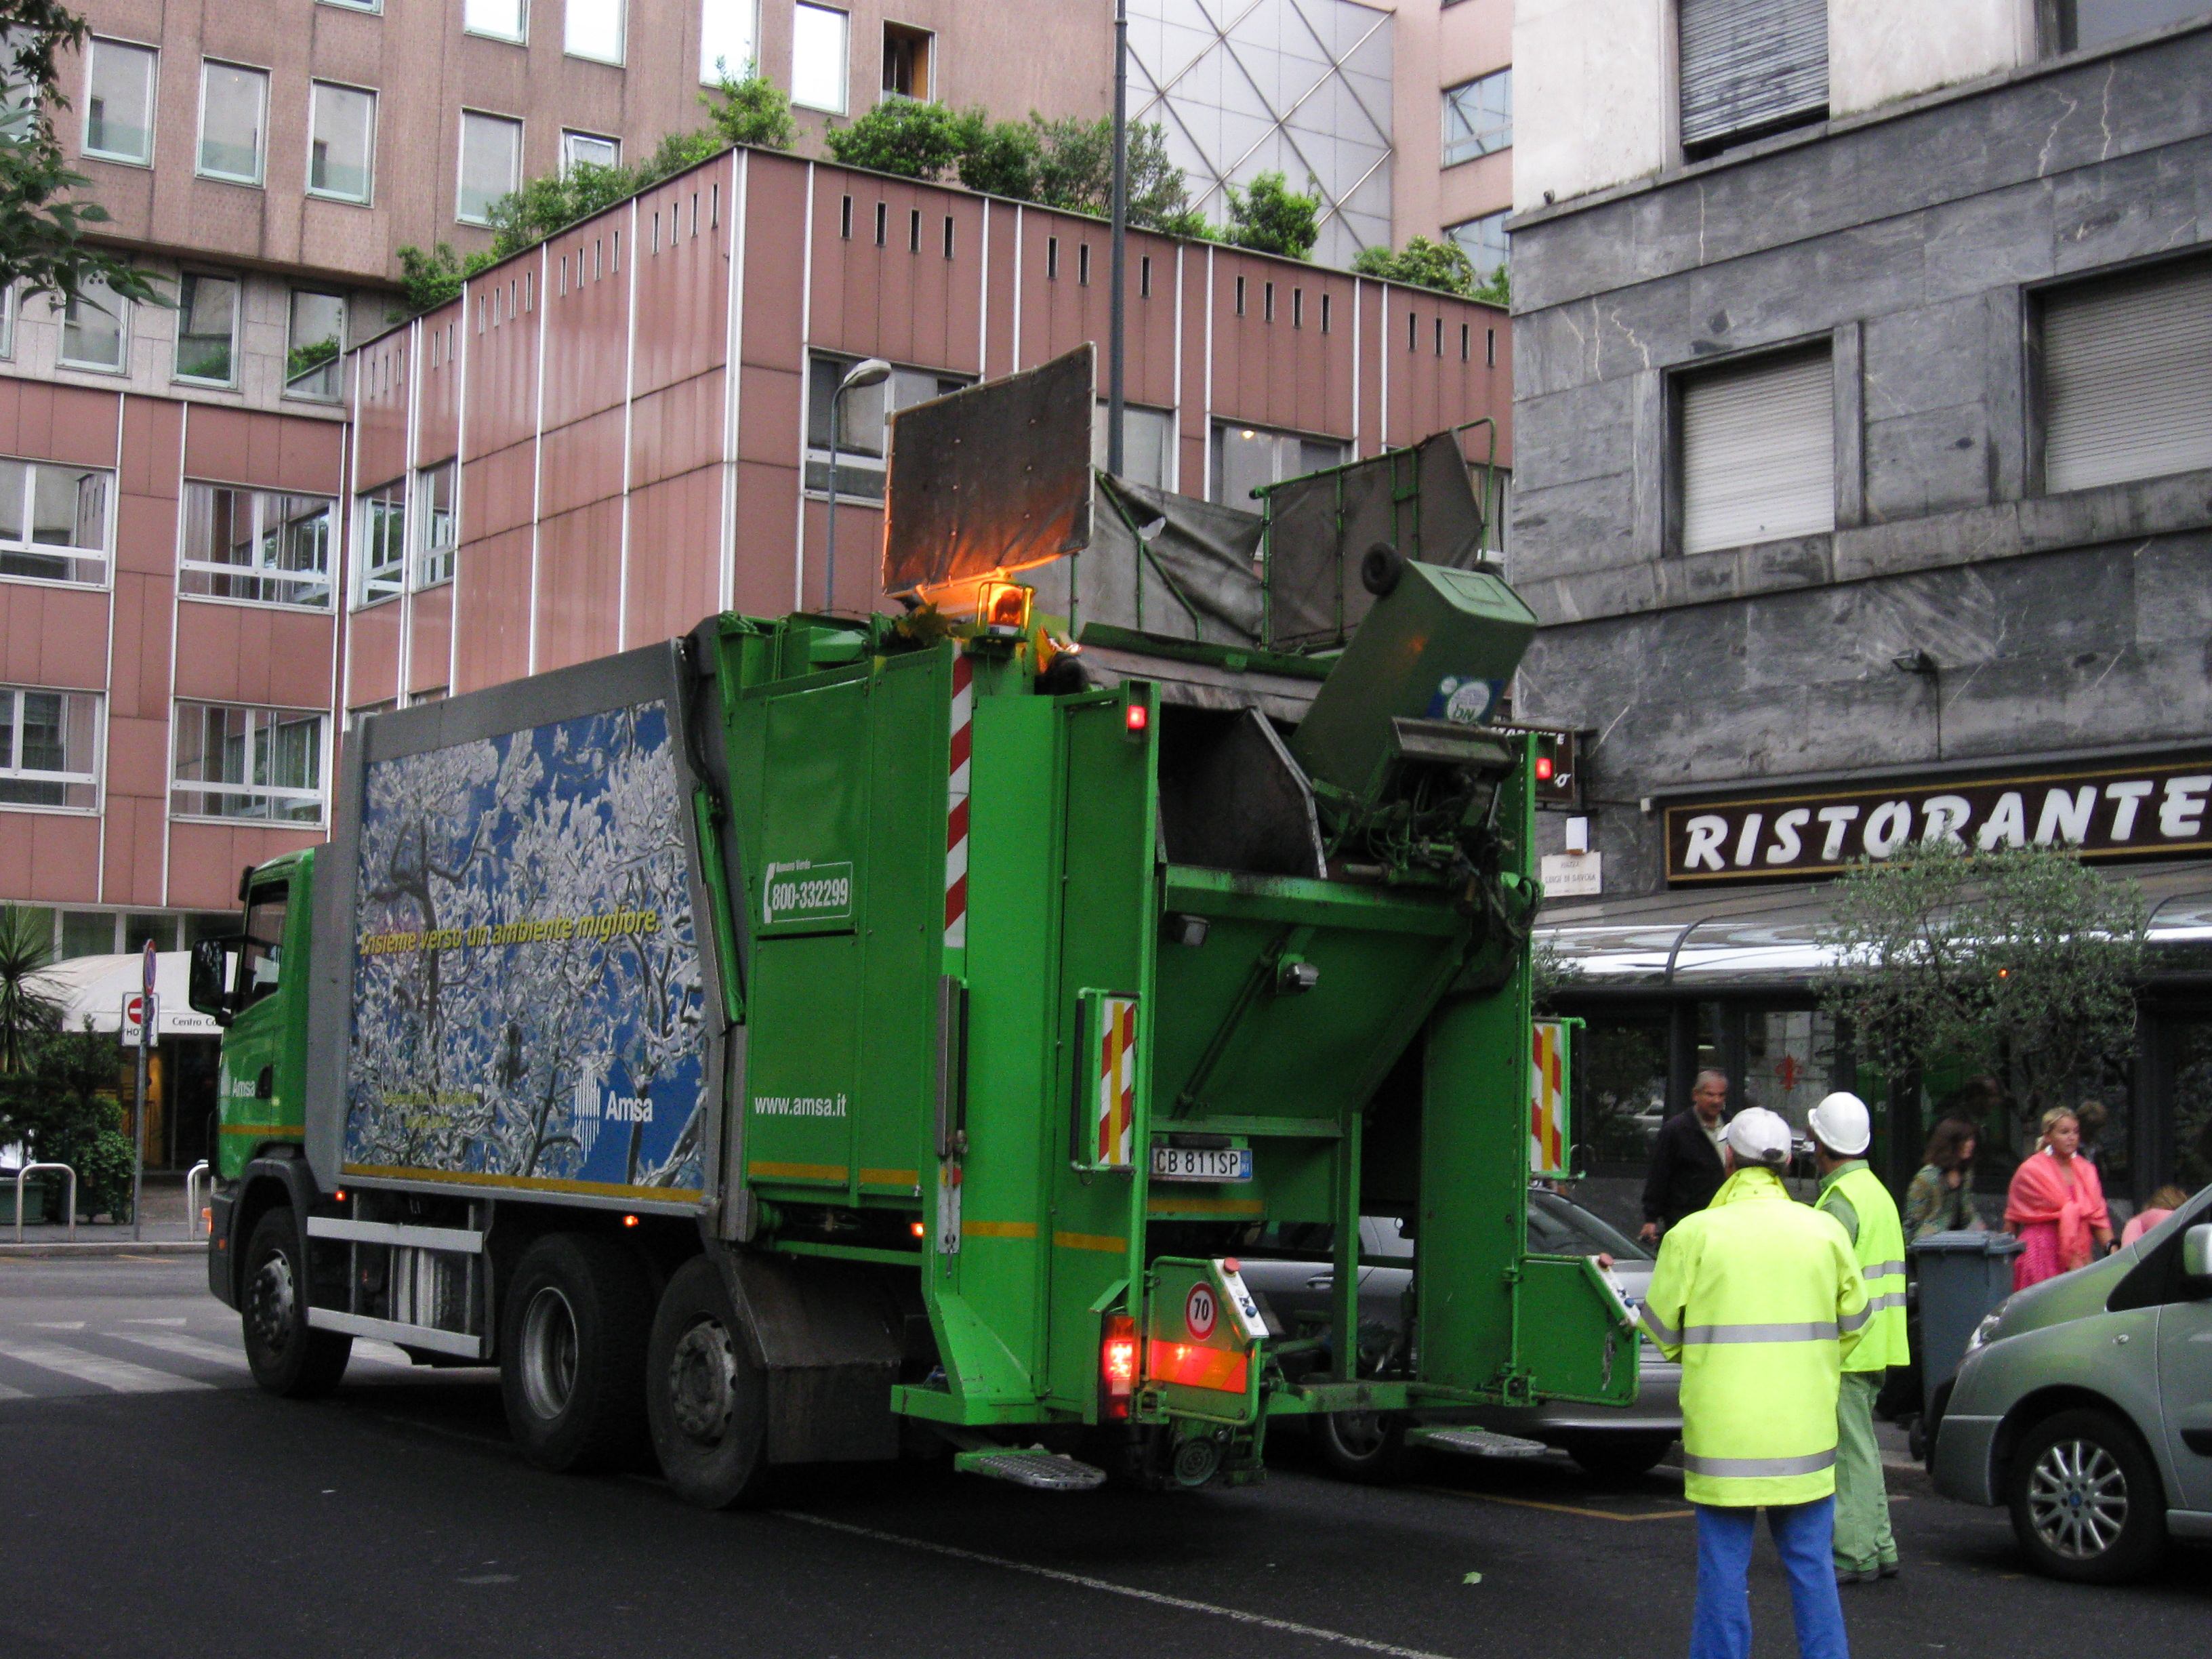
1759, 1298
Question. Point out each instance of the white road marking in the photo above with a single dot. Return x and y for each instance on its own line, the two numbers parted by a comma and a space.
120, 1375
8, 1393
1289, 1627
151, 1322
57, 1324
192, 1348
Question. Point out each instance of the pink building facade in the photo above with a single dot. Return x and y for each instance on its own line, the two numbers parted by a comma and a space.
603, 440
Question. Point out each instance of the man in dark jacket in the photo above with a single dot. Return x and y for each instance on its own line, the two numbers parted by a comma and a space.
1686, 1160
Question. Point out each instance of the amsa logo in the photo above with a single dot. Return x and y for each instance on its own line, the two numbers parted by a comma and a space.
807, 891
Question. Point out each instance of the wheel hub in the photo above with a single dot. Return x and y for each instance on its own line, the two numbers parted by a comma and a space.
2077, 1497
702, 1382
270, 1305
550, 1350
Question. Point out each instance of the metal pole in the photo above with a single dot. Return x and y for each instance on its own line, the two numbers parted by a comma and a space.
1115, 344
138, 1127
829, 576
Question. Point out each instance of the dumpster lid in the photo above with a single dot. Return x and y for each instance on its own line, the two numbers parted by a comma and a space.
1967, 1243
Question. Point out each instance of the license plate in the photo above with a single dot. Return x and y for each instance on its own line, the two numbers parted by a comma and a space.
1201, 1163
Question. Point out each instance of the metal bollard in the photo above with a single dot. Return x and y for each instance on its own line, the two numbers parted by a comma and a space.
192, 1176
33, 1168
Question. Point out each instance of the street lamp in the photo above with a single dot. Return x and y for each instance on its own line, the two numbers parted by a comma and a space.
872, 371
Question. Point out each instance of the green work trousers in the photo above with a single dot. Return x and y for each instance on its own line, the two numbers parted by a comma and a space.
1863, 1540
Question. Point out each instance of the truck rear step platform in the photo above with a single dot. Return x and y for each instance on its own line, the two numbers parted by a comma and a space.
1034, 1467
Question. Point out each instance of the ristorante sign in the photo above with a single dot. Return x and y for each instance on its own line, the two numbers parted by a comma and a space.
2156, 807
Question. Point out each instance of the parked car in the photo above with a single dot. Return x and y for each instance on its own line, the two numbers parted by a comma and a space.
2084, 1406
1289, 1270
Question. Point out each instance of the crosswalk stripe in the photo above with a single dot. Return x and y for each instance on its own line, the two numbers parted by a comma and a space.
191, 1347
119, 1375
7, 1393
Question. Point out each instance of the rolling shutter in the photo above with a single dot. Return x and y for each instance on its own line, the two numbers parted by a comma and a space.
1751, 66
1759, 454
2127, 379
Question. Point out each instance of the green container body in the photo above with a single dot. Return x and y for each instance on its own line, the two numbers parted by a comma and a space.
1442, 647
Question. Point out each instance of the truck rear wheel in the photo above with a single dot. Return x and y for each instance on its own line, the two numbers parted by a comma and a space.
1369, 1447
707, 1400
572, 1352
286, 1357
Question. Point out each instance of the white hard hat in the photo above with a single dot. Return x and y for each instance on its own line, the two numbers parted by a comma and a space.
1760, 1136
1840, 1124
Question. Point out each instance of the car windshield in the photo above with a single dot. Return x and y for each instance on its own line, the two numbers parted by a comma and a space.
1559, 1226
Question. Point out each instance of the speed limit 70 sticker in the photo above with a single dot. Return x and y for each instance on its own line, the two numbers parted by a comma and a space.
1200, 1312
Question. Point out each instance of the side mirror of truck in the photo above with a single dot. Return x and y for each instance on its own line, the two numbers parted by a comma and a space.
213, 964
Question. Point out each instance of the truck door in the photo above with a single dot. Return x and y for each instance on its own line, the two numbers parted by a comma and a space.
2185, 1384
259, 1083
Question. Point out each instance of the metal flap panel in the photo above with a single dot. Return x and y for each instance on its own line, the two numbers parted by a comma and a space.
994, 478
1746, 64
511, 993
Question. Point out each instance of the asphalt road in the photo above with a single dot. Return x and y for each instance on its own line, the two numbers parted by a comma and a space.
157, 1504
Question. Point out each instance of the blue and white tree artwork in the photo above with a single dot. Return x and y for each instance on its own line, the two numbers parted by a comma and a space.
527, 1004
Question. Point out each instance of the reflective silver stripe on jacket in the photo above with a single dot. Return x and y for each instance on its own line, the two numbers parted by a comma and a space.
1882, 1269
1886, 1299
1659, 1327
1852, 1322
1813, 1331
1754, 1469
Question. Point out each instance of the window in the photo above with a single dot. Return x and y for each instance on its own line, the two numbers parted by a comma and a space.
49, 744
864, 422
1757, 452
342, 144
238, 762
1750, 68
315, 345
593, 29
382, 522
257, 545
1478, 117
907, 61
1246, 457
819, 57
89, 934
726, 39
355, 5
491, 162
262, 958
2093, 23
119, 102
502, 19
1051, 259
53, 521
438, 530
95, 332
207, 329
1147, 443
234, 113
588, 150
1483, 241
2127, 377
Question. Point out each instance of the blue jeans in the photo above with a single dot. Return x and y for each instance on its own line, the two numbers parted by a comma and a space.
1804, 1536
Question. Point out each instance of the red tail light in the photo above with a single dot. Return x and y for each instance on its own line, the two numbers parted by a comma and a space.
1139, 717
1117, 1364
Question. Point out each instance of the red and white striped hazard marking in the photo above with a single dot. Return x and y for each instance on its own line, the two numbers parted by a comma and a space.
956, 803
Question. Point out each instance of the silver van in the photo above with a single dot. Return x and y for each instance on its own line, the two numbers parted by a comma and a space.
2085, 1406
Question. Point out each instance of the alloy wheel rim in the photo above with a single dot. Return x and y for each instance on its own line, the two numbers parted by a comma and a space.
272, 1302
1360, 1434
702, 1382
2077, 1498
549, 1351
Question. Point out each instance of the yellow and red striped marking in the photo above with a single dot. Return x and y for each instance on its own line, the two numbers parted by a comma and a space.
1117, 1080
955, 807
1547, 1150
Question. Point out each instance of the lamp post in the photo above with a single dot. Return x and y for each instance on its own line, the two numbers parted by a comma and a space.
872, 371
1116, 324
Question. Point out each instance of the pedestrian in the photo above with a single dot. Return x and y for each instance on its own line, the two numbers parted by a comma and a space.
1941, 1197
1686, 1160
2163, 1203
1761, 1300
2056, 1204
2092, 1117
1854, 1195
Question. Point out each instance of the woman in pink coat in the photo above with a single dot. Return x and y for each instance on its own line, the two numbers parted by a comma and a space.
2057, 1205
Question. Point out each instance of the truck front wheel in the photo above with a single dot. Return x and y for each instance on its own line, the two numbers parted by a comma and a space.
285, 1356
572, 1353
706, 1398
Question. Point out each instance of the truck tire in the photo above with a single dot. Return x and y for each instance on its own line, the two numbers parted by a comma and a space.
286, 1357
707, 1400
2086, 1504
572, 1352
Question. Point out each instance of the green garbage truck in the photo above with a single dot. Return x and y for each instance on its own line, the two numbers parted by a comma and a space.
824, 1037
